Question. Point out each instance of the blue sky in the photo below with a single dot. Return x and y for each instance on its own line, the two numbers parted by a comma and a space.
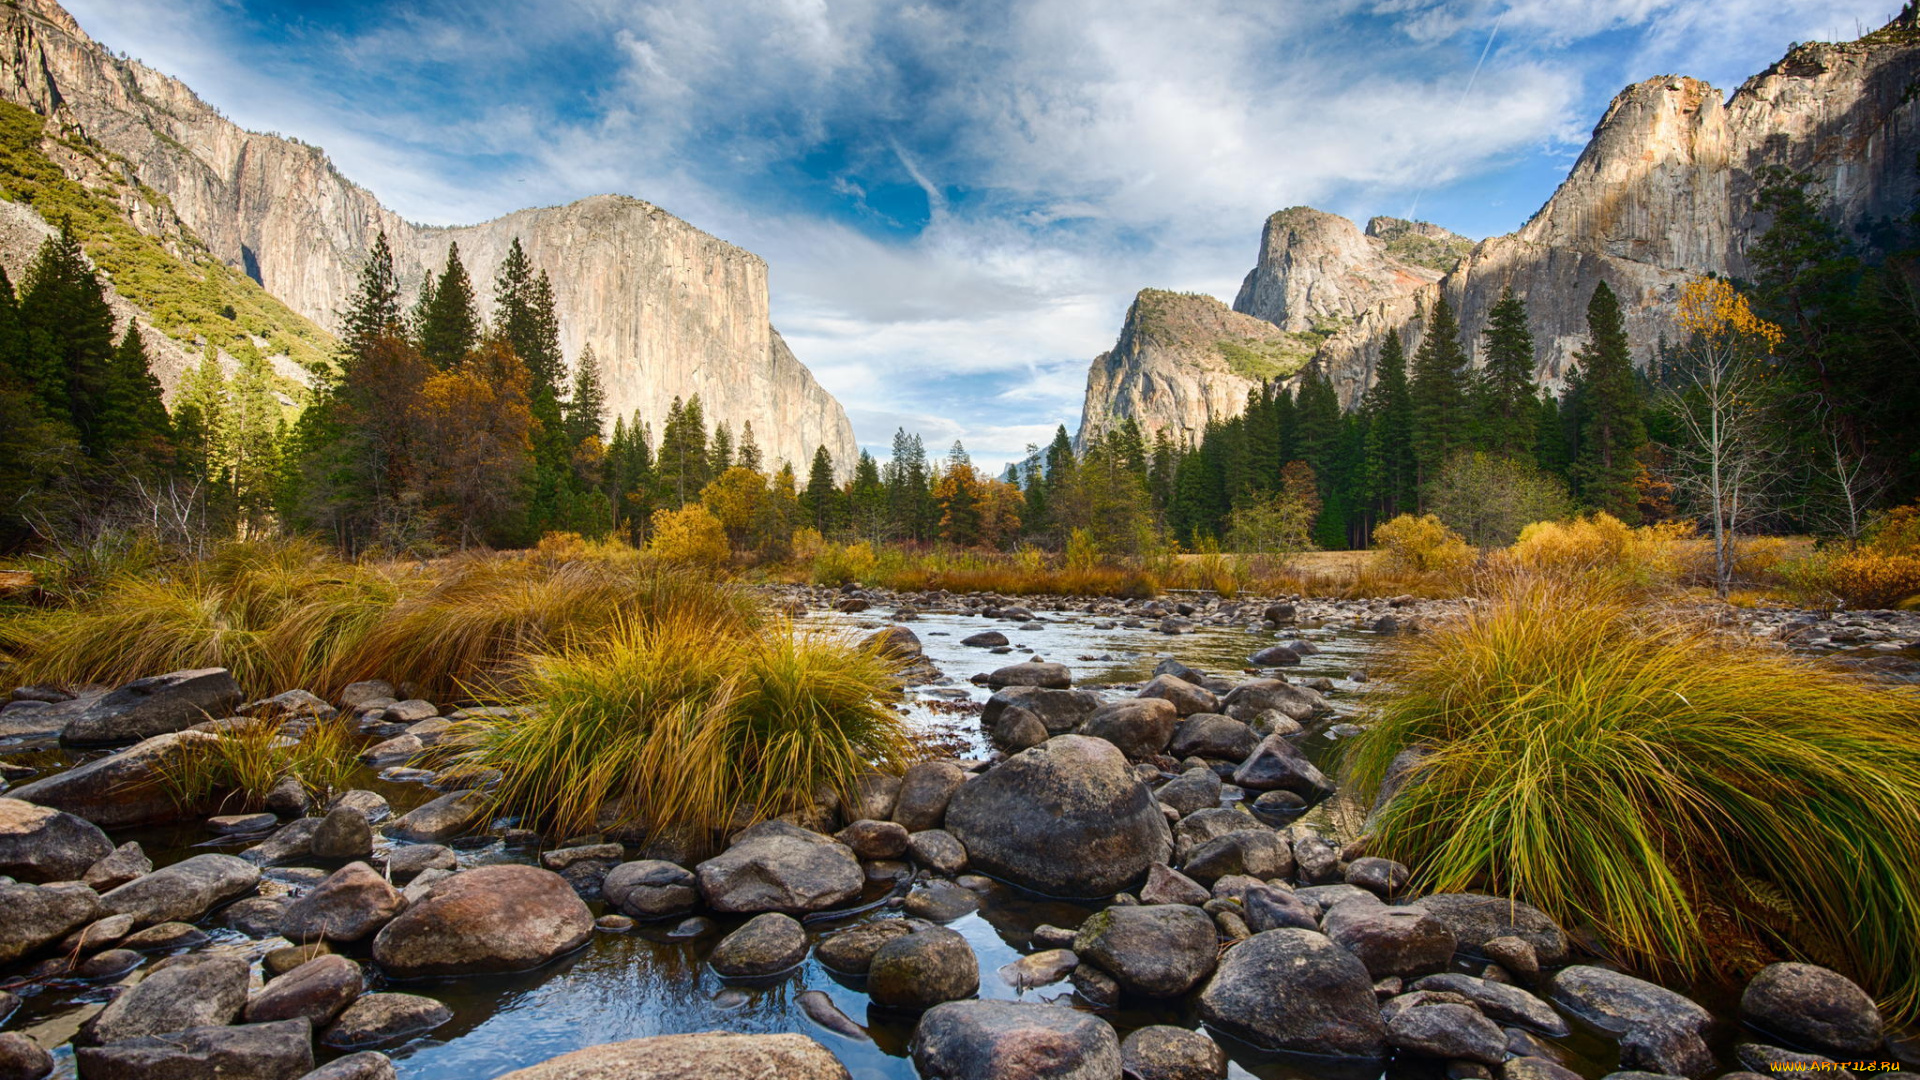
959, 200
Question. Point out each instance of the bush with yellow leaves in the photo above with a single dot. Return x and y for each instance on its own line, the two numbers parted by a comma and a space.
1422, 545
1883, 572
690, 536
1600, 542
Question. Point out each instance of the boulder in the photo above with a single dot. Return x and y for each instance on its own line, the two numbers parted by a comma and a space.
407, 861
22, 1059
1815, 1008
1140, 727
1274, 656
344, 833
181, 993
937, 850
851, 950
121, 790
1275, 765
1006, 1040
290, 705
714, 1055
1253, 851
1382, 877
924, 793
183, 891
1211, 735
123, 864
491, 919
1185, 696
1316, 861
1618, 1003
282, 1050
255, 916
39, 844
1502, 1003
156, 705
1060, 711
353, 903
1265, 907
1295, 990
453, 814
873, 797
1066, 818
921, 970
774, 866
651, 889
1015, 729
1156, 950
376, 1019
1211, 823
371, 804
1033, 673
985, 639
1163, 1052
1250, 699
318, 990
1166, 885
1476, 920
365, 1065
1403, 941
361, 693
941, 901
166, 937
767, 945
1195, 789
870, 839
1449, 1032
292, 842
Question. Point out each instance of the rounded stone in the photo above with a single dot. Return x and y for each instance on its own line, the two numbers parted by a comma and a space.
767, 945
1814, 1007
1404, 941
1006, 1040
852, 950
1161, 1052
22, 1059
376, 1019
651, 889
1157, 950
1292, 989
318, 990
710, 1056
491, 919
919, 971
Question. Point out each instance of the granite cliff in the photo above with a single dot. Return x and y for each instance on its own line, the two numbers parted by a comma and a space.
668, 309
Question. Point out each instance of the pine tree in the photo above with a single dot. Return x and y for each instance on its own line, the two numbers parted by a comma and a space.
747, 454
909, 500
253, 426
1160, 472
1606, 466
821, 500
681, 465
69, 336
586, 412
132, 418
1508, 400
1389, 408
867, 500
374, 311
720, 450
1438, 390
449, 327
199, 418
1317, 408
524, 315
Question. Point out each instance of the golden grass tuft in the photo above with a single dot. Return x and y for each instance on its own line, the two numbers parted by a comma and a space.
244, 762
1699, 801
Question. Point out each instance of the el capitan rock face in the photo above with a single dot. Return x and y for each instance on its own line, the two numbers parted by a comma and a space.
668, 309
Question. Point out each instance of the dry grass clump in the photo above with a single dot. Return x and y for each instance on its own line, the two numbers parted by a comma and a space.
1700, 802
681, 725
244, 762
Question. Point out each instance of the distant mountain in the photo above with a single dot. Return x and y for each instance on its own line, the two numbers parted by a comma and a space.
668, 309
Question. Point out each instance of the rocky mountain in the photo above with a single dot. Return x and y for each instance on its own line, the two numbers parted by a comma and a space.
668, 309
1663, 192
1183, 359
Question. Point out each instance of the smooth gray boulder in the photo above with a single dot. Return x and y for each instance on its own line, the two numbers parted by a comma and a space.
282, 1050
379, 1019
183, 891
156, 705
1006, 1040
1619, 1003
1402, 941
1250, 699
767, 945
1448, 1032
344, 833
921, 970
1164, 1052
39, 844
1156, 950
924, 793
1211, 735
651, 889
123, 864
1140, 727
714, 1055
121, 790
318, 990
1060, 711
1502, 1003
492, 919
1066, 818
23, 1059
184, 992
1476, 919
352, 904
774, 866
1295, 990
1185, 696
1276, 765
851, 950
1815, 1008
1045, 675
1195, 789
937, 850
1253, 851
453, 814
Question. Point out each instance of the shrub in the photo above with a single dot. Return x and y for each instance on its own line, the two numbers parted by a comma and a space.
836, 564
1696, 800
1421, 545
690, 536
1601, 542
680, 726
1489, 498
1861, 578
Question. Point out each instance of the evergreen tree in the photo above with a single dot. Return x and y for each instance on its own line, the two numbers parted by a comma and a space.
252, 441
867, 500
909, 498
374, 311
450, 327
132, 418
1388, 405
586, 412
1606, 465
524, 315
820, 502
1509, 403
720, 450
199, 417
1160, 472
1317, 412
747, 454
69, 337
1439, 393
681, 465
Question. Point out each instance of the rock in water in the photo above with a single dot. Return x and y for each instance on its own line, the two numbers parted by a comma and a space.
453, 814
1046, 676
188, 992
351, 904
1161, 1052
278, 1051
1140, 727
157, 705
1404, 941
1066, 818
366, 1065
183, 891
774, 866
712, 1056
767, 945
1295, 990
977, 1040
1476, 920
1158, 950
651, 889
317, 990
1814, 1007
121, 790
492, 919
921, 970
39, 844
924, 794
1060, 711
379, 1019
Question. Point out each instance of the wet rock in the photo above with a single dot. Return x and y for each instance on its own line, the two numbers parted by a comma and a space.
562, 859
1666, 1049
852, 950
696, 927
1187, 698
1813, 1007
1502, 1003
377, 1019
1060, 711
181, 993
156, 705
318, 990
366, 1065
1276, 765
937, 850
353, 903
491, 919
1515, 955
1279, 802
1166, 885
985, 639
343, 834
407, 861
1254, 697
1033, 673
1382, 877
1211, 735
453, 814
22, 1059
292, 842
98, 934
1269, 908
1162, 1052
1201, 826
281, 961
1140, 727
183, 891
1016, 729
613, 924
1295, 990
291, 705
1274, 656
1157, 950
1043, 968
288, 798
874, 796
651, 889
124, 864
1005, 1040
120, 790
1619, 1003
1102, 832
821, 1010
371, 804
774, 866
711, 1056
1476, 920
256, 916
924, 793
875, 839
941, 901
1254, 852
278, 1051
767, 945
166, 937
1452, 1032
919, 971
1776, 1061
39, 844
1536, 1068
1403, 941
1195, 789
237, 824
108, 965
1095, 986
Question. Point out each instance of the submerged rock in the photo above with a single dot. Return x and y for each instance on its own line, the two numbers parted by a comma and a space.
492, 919
975, 1040
711, 1056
